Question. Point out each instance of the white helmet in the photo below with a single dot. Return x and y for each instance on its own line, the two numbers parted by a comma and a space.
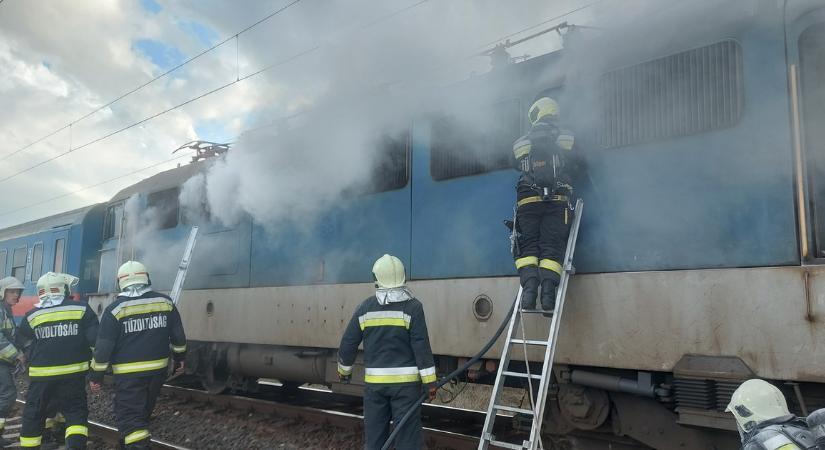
9, 283
543, 107
130, 273
55, 284
388, 272
756, 401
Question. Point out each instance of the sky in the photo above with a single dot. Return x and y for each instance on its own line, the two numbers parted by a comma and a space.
62, 60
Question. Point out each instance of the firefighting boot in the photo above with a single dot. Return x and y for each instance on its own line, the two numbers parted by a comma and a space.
529, 277
549, 282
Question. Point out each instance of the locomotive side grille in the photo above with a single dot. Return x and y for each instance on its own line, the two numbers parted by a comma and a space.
687, 93
724, 392
695, 393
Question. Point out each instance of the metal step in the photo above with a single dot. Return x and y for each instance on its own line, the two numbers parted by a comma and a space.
514, 410
521, 375
507, 445
537, 311
528, 341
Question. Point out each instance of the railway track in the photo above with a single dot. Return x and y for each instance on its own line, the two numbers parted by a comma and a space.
434, 438
104, 432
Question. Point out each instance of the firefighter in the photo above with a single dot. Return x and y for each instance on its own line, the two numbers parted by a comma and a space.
543, 214
763, 419
397, 356
62, 333
10, 354
136, 332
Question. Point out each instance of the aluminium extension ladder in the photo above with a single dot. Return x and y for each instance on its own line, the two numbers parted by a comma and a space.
537, 411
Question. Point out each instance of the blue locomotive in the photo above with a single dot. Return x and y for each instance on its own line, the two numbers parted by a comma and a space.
697, 263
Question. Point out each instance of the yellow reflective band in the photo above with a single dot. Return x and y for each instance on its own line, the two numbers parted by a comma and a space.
77, 429
30, 441
135, 436
385, 322
788, 447
428, 379
99, 367
344, 370
549, 264
391, 378
57, 316
49, 371
427, 375
527, 261
179, 348
522, 149
565, 141
526, 200
140, 366
8, 352
565, 216
143, 309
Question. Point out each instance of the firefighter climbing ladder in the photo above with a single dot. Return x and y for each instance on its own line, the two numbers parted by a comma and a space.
549, 344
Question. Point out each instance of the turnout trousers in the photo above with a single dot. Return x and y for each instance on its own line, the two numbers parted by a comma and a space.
134, 402
543, 230
385, 402
69, 396
8, 393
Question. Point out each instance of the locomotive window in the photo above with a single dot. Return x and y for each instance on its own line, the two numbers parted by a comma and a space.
58, 254
686, 93
390, 165
113, 221
477, 142
164, 207
3, 263
37, 262
812, 97
390, 168
18, 263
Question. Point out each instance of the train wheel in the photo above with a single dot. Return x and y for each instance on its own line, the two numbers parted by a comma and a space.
215, 377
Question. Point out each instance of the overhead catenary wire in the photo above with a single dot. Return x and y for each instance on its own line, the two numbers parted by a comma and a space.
77, 191
238, 79
153, 116
121, 97
544, 22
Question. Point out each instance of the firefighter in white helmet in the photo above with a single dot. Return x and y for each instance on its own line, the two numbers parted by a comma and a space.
62, 333
764, 421
398, 359
137, 332
10, 352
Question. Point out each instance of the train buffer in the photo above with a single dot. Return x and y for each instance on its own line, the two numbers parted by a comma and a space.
516, 336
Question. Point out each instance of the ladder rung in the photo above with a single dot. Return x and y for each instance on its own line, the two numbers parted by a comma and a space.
520, 375
507, 445
528, 341
535, 311
513, 409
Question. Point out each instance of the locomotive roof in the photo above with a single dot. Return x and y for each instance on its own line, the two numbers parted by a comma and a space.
163, 180
73, 217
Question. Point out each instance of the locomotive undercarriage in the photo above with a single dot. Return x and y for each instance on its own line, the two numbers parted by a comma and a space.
588, 407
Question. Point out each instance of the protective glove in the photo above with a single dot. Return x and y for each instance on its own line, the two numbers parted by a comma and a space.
344, 378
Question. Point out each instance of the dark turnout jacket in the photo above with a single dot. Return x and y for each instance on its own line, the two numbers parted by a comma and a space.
136, 334
396, 342
62, 338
